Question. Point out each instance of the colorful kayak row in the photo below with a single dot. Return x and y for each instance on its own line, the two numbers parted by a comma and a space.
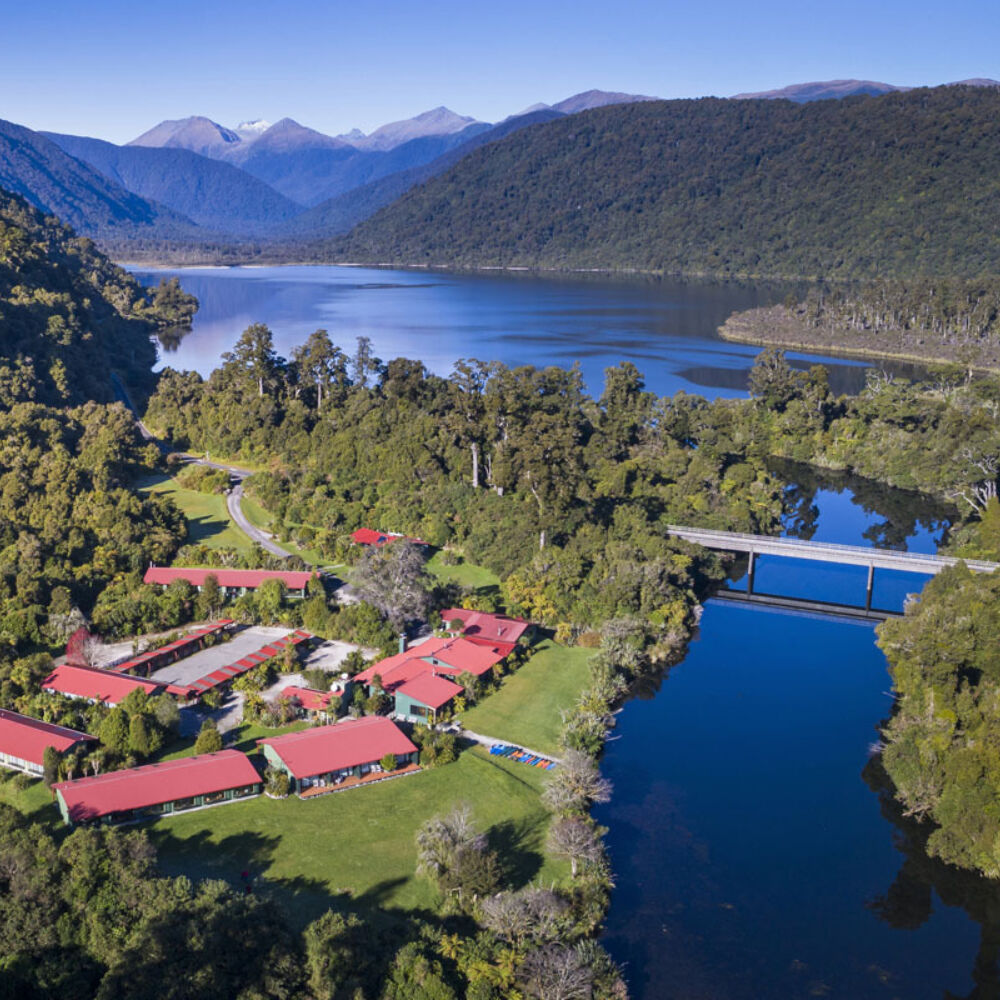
521, 756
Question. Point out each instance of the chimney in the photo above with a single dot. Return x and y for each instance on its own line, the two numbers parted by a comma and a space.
402, 642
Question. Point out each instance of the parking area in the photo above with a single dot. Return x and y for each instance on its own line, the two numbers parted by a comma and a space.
201, 664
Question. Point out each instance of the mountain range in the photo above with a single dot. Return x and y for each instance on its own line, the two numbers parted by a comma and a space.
196, 182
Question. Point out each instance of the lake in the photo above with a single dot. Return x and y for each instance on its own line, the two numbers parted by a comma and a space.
667, 328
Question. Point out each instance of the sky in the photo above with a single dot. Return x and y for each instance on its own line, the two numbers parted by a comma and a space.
112, 69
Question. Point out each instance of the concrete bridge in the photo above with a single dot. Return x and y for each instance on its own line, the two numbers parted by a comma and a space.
797, 548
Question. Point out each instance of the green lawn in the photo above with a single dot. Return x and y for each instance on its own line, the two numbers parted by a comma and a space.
244, 738
526, 709
208, 520
359, 844
465, 574
35, 801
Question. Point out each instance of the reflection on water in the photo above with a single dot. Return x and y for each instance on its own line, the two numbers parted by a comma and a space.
752, 860
667, 328
170, 340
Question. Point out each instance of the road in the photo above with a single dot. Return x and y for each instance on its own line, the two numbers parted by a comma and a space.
234, 498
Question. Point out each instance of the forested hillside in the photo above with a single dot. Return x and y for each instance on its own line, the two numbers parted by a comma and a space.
897, 185
69, 317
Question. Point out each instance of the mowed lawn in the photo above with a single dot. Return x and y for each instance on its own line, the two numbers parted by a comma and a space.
465, 574
208, 520
526, 710
359, 845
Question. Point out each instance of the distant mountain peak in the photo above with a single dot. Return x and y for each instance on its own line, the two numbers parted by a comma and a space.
596, 99
197, 133
823, 90
436, 121
252, 129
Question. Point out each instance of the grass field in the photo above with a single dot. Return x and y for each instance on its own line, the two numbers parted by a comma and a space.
208, 520
359, 844
34, 801
465, 574
526, 709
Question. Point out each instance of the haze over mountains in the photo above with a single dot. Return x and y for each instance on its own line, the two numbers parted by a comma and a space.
196, 182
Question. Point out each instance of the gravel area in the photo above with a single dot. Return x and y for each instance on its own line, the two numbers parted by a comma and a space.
193, 668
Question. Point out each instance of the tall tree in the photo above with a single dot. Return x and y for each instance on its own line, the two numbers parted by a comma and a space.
253, 360
393, 579
323, 365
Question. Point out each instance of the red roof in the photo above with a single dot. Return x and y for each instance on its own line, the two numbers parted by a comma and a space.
368, 536
441, 654
175, 648
227, 577
152, 784
248, 662
430, 690
386, 667
309, 698
482, 625
95, 684
461, 655
26, 738
332, 748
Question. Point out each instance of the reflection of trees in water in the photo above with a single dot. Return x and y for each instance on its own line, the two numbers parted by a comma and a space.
902, 513
908, 902
171, 339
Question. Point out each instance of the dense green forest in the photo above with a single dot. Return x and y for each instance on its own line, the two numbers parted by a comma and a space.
899, 185
951, 320
69, 317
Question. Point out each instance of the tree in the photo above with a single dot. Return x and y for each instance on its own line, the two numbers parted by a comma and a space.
455, 854
114, 731
50, 766
139, 740
209, 601
574, 838
575, 784
394, 580
555, 973
415, 975
364, 365
324, 366
337, 949
253, 360
773, 381
468, 381
209, 739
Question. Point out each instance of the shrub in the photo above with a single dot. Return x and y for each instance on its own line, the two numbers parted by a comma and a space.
276, 783
388, 762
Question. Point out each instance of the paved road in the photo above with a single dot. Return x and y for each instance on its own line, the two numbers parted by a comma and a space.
235, 496
234, 499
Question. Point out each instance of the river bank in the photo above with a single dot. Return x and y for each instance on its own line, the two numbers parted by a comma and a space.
778, 326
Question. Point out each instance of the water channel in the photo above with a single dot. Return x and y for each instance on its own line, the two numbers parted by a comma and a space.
754, 857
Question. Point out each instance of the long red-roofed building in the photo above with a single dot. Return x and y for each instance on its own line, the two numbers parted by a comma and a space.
159, 789
109, 687
232, 582
152, 659
327, 756
23, 741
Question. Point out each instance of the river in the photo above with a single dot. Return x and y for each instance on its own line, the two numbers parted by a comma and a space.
753, 855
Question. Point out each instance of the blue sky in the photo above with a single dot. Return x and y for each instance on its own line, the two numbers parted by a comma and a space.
113, 69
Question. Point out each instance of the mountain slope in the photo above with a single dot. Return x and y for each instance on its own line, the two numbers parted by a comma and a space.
902, 184
341, 213
209, 192
590, 99
197, 134
59, 184
436, 122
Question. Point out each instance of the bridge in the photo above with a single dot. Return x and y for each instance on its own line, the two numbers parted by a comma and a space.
849, 555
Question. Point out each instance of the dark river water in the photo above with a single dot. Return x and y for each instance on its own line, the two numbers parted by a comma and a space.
665, 327
754, 857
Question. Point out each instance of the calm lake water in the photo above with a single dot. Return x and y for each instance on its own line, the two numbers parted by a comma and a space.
668, 329
754, 858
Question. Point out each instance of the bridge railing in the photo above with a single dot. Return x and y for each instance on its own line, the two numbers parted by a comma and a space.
831, 547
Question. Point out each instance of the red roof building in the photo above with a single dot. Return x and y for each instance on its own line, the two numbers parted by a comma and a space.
312, 702
428, 690
23, 741
159, 789
368, 536
482, 626
109, 687
230, 580
327, 755
145, 663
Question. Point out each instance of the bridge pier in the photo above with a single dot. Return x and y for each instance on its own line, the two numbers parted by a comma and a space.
750, 571
870, 586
